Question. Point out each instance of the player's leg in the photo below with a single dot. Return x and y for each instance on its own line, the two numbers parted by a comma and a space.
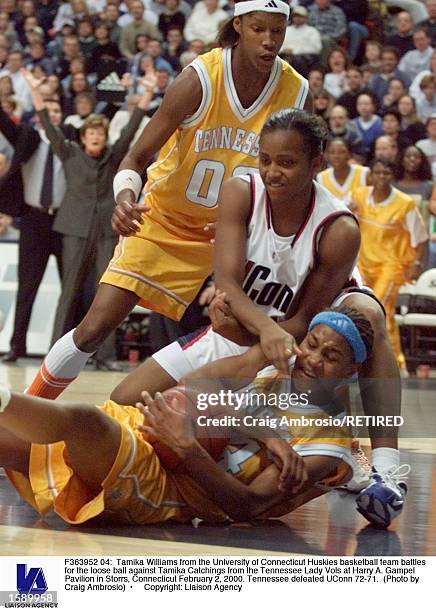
14, 452
92, 438
380, 387
69, 354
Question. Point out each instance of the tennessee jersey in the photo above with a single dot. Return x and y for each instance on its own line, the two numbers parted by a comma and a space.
390, 230
356, 178
219, 141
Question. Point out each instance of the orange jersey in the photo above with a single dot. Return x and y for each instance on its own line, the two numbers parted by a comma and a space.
219, 141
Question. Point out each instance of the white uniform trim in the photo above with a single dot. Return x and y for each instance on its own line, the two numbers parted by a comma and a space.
206, 86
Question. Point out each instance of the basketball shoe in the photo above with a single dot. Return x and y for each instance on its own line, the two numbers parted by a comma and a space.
384, 498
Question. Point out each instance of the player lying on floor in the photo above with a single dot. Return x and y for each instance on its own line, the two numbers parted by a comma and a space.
84, 460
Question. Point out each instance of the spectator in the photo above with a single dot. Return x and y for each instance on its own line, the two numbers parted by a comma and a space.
37, 57
138, 25
389, 68
302, 44
386, 148
78, 84
204, 22
105, 49
369, 124
430, 23
154, 48
84, 104
415, 61
428, 145
373, 54
414, 89
127, 17
110, 16
173, 48
70, 50
84, 218
122, 118
353, 88
340, 126
171, 17
8, 30
197, 46
335, 79
411, 128
46, 12
85, 31
392, 127
330, 22
26, 9
426, 106
316, 80
186, 58
322, 104
403, 37
44, 188
415, 178
21, 89
356, 13
415, 8
396, 89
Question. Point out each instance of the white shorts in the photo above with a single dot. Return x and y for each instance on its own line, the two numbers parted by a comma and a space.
191, 352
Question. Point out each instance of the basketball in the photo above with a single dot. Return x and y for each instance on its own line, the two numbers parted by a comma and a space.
179, 401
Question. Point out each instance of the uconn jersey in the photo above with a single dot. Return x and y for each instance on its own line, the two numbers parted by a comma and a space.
276, 268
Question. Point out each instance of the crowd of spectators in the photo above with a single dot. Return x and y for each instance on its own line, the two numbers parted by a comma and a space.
371, 66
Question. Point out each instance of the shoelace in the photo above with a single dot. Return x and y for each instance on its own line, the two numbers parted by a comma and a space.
360, 457
397, 473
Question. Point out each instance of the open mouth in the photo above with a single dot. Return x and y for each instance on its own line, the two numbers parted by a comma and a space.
268, 58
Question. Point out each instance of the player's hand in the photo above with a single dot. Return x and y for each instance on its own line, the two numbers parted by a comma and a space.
224, 323
207, 295
163, 421
127, 217
278, 346
293, 472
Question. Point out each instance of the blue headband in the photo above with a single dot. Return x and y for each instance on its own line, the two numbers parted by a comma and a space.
344, 326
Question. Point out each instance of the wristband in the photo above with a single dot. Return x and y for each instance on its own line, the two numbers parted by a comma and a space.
127, 179
5, 397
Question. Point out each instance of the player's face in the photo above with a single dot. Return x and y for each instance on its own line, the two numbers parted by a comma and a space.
285, 168
381, 176
261, 36
338, 155
325, 354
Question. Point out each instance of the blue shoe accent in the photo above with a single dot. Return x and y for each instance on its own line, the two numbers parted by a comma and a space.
383, 500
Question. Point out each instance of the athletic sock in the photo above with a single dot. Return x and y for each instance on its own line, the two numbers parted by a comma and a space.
61, 366
384, 458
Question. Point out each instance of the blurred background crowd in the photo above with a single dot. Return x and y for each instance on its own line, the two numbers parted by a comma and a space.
371, 66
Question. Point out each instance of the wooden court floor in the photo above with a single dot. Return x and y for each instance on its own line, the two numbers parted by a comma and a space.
328, 525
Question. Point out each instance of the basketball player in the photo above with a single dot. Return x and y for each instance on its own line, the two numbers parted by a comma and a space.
207, 130
284, 247
341, 177
83, 461
394, 242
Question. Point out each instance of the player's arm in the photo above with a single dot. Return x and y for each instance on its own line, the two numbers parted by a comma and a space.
230, 256
337, 254
181, 100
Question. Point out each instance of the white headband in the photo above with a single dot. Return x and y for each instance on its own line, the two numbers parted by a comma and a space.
265, 6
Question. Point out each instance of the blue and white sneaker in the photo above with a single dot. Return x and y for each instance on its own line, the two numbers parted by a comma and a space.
383, 500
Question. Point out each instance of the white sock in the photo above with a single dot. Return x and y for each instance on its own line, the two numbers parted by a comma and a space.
384, 458
65, 360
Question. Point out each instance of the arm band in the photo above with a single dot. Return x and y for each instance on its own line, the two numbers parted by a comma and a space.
127, 179
5, 397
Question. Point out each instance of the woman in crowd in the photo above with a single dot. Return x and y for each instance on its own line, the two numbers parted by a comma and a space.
335, 80
412, 129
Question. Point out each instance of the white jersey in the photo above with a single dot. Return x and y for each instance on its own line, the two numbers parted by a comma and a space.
277, 266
